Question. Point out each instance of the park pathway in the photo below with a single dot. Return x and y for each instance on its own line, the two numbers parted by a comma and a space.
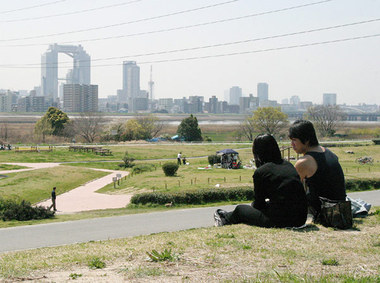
85, 197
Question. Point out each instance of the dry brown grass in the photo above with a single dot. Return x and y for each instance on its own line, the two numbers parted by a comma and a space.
237, 253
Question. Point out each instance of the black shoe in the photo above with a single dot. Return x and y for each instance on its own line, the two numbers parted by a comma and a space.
219, 217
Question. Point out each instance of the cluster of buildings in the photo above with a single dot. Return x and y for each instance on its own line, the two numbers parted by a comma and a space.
77, 94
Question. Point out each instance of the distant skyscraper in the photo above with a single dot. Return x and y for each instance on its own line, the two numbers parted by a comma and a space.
329, 99
235, 94
131, 82
213, 105
80, 74
262, 92
295, 100
80, 98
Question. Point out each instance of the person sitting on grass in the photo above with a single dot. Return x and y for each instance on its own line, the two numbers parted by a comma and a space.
319, 167
280, 199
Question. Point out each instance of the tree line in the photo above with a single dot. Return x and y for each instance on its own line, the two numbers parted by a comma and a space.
90, 127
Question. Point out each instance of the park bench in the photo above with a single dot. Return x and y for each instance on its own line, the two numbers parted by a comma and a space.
103, 151
33, 148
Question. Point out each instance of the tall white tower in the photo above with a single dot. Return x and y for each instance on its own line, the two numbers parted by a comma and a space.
151, 85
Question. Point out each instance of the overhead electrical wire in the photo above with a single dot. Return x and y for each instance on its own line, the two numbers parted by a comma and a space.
163, 16
255, 51
31, 7
215, 45
175, 28
226, 54
71, 13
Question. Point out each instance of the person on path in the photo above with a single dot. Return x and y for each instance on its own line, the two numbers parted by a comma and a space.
53, 199
280, 199
179, 158
319, 167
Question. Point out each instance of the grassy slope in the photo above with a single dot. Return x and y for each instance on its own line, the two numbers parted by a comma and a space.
237, 253
36, 185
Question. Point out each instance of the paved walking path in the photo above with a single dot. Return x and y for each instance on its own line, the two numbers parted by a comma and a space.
64, 233
83, 198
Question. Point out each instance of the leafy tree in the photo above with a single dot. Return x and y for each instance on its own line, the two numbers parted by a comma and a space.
142, 127
57, 119
89, 126
133, 131
43, 128
326, 119
151, 126
189, 129
247, 128
269, 120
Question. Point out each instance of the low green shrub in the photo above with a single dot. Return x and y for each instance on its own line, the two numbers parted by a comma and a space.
141, 168
166, 255
21, 210
170, 168
96, 263
127, 161
355, 185
195, 196
212, 159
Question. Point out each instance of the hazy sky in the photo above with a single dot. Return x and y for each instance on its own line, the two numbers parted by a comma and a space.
131, 30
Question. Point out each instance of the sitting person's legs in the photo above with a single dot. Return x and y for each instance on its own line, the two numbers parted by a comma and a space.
247, 214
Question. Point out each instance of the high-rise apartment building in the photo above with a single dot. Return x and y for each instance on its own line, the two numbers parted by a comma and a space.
262, 93
8, 101
131, 82
235, 94
329, 99
80, 74
80, 98
31, 103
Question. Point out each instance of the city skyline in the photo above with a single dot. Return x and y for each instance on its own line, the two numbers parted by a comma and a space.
348, 68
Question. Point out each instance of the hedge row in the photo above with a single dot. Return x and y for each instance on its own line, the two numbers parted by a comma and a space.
355, 185
195, 197
22, 210
228, 194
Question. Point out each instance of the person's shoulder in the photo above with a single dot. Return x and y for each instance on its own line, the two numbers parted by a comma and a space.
304, 162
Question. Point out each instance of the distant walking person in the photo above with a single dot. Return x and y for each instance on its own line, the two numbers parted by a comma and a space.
179, 158
53, 198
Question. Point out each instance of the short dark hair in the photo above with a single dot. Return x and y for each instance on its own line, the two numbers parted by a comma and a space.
265, 149
304, 131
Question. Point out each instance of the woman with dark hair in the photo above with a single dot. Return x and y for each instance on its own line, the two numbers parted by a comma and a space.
280, 199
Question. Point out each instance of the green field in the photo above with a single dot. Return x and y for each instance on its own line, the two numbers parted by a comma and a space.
35, 185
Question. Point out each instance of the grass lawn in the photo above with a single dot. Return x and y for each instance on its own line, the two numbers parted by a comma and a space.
188, 177
4, 167
36, 185
137, 151
237, 253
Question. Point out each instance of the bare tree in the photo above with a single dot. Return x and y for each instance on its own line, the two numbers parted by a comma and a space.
325, 118
4, 131
247, 129
89, 125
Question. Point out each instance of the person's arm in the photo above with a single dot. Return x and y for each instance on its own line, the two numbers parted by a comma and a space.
260, 194
306, 167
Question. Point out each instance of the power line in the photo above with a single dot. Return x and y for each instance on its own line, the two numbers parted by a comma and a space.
230, 54
126, 23
257, 51
218, 44
167, 15
31, 7
71, 13
180, 28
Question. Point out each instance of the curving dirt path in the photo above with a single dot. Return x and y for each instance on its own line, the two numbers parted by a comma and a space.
85, 197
